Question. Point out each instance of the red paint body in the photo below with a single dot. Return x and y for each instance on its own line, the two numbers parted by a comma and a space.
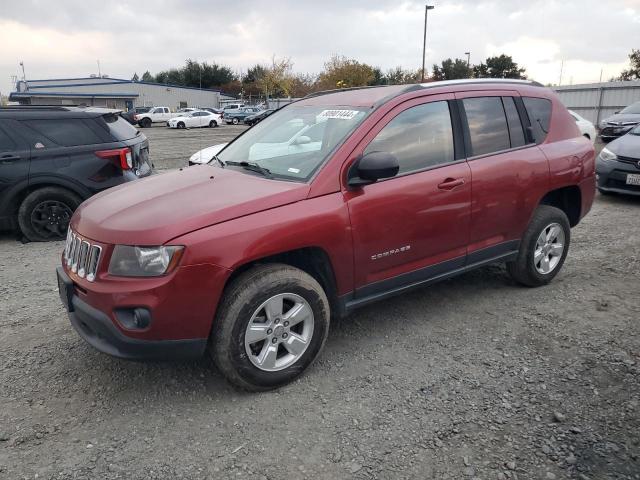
227, 218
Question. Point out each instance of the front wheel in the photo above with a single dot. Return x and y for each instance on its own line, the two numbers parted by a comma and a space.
180, 125
271, 325
543, 248
235, 121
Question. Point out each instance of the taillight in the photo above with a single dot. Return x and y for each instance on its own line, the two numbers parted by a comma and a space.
120, 156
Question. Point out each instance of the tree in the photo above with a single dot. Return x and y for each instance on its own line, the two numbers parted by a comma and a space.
379, 78
135, 78
277, 79
398, 76
342, 72
502, 66
451, 70
254, 74
633, 72
147, 77
194, 74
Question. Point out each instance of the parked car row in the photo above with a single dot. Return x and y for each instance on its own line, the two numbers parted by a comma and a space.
196, 119
147, 116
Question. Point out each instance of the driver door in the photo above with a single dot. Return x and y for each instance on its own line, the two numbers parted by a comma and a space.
414, 226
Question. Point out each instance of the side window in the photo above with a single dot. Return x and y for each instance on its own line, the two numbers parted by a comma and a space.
65, 132
487, 125
420, 137
516, 133
6, 143
539, 111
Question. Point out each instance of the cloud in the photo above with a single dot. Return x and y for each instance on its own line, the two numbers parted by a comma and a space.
66, 37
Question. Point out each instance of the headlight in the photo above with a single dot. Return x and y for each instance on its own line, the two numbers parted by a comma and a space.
607, 155
128, 261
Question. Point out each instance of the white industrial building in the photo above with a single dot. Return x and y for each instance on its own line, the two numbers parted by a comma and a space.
113, 93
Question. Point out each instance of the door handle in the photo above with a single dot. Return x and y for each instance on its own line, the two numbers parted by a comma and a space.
451, 183
6, 159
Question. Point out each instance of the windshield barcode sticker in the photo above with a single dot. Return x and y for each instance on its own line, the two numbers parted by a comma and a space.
342, 114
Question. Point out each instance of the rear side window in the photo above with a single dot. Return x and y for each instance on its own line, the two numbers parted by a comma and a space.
420, 137
6, 144
118, 127
516, 133
487, 123
67, 132
539, 111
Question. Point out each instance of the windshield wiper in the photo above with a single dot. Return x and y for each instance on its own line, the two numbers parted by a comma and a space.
217, 159
252, 166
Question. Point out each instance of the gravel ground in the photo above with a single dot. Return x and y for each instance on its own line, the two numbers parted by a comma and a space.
474, 377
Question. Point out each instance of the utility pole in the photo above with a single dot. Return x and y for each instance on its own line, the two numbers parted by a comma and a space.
99, 72
561, 68
424, 39
468, 54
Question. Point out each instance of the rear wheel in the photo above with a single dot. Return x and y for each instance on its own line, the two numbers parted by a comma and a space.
213, 124
543, 248
272, 323
145, 122
235, 121
180, 125
45, 213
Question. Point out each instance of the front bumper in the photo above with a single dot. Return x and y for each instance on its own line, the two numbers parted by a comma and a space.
611, 133
612, 175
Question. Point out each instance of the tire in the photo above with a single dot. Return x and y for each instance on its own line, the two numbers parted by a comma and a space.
235, 121
213, 124
586, 135
45, 213
243, 301
524, 268
145, 122
180, 125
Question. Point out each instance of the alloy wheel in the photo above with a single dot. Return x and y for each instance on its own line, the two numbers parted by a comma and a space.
50, 219
279, 332
549, 248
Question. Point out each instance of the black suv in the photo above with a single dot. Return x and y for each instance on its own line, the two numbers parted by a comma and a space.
53, 158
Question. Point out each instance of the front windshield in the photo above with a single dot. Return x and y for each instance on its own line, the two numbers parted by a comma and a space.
635, 131
293, 143
633, 108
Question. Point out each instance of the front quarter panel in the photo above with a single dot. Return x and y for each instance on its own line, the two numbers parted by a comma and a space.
321, 222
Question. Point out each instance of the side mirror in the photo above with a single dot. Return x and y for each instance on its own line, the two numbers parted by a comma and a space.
372, 167
301, 140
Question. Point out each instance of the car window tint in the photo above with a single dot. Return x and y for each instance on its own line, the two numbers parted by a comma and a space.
118, 127
66, 132
487, 123
539, 111
516, 133
419, 137
6, 144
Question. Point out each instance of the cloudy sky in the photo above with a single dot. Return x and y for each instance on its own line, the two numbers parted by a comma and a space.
64, 38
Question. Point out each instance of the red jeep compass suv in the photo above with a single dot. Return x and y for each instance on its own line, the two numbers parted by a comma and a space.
334, 201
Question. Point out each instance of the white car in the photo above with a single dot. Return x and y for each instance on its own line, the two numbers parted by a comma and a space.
206, 154
199, 118
586, 127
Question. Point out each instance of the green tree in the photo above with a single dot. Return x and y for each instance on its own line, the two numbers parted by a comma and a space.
135, 77
147, 77
633, 72
277, 79
343, 72
451, 69
379, 78
501, 66
398, 76
254, 74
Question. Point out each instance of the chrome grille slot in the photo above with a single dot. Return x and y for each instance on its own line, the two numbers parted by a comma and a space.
81, 256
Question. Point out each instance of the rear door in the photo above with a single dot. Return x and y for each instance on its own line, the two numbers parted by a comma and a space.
14, 165
509, 172
414, 226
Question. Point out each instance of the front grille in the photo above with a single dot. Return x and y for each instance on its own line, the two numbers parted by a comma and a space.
634, 161
81, 256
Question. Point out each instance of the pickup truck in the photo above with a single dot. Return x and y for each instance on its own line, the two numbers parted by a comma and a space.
155, 115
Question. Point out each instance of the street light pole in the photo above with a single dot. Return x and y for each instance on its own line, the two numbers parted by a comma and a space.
468, 54
424, 39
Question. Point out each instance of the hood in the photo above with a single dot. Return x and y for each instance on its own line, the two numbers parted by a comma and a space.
156, 209
626, 146
206, 154
622, 117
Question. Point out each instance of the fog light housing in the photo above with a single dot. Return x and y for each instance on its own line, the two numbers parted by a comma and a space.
138, 318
